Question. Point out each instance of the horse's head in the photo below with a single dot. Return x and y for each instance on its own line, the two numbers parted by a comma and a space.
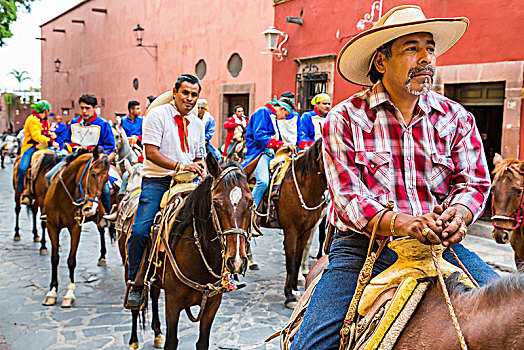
231, 211
135, 174
92, 179
507, 198
118, 133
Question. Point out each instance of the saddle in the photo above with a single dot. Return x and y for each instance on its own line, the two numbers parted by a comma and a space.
36, 163
127, 209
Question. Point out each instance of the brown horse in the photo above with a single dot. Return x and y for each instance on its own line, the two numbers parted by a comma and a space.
508, 205
299, 210
216, 217
72, 199
37, 197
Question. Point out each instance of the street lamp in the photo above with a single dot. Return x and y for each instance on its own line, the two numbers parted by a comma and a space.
272, 45
139, 36
58, 64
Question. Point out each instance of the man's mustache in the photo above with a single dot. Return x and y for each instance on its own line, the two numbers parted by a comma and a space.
427, 68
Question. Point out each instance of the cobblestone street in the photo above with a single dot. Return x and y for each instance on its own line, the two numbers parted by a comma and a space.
98, 321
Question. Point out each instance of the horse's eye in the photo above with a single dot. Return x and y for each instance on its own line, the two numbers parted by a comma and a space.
519, 191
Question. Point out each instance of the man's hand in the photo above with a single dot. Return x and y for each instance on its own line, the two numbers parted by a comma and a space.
453, 223
408, 225
55, 145
291, 147
195, 167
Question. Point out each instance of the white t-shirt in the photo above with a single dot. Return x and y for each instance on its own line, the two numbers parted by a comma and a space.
159, 129
288, 129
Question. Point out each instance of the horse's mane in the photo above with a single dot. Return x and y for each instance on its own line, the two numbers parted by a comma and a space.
506, 164
308, 161
49, 161
71, 157
498, 290
198, 205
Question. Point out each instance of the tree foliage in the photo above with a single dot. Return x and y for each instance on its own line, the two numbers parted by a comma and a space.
8, 14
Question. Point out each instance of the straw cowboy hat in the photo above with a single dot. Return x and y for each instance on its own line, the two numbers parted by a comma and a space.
353, 61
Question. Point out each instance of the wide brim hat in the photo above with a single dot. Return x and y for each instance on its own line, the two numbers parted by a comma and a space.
164, 98
353, 61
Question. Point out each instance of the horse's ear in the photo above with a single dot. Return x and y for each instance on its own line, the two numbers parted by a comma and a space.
497, 159
213, 168
118, 120
250, 168
96, 154
127, 165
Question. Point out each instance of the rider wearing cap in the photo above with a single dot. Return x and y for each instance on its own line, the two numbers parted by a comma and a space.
36, 136
311, 123
263, 137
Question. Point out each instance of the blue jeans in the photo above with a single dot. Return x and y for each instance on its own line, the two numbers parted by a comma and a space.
106, 191
25, 161
332, 296
213, 150
148, 205
262, 175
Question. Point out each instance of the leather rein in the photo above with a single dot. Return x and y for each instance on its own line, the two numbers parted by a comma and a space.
224, 282
78, 203
518, 216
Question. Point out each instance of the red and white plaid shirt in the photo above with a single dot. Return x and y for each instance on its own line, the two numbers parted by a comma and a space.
371, 157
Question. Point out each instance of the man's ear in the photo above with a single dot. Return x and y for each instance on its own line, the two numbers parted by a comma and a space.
379, 61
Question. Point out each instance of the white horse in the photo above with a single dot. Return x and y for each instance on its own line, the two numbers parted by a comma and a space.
9, 146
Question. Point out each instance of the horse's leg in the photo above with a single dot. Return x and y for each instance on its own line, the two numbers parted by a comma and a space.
172, 315
43, 248
34, 211
301, 243
133, 341
3, 166
290, 243
69, 298
206, 321
102, 260
155, 322
304, 262
54, 235
321, 237
17, 216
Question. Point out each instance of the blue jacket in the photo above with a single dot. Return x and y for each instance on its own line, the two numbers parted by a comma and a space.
106, 139
210, 128
259, 132
132, 127
61, 133
306, 129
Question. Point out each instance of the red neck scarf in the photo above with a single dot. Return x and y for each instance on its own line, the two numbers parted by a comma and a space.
44, 123
89, 121
182, 124
271, 108
317, 112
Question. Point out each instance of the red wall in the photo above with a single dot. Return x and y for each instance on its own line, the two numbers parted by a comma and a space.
491, 37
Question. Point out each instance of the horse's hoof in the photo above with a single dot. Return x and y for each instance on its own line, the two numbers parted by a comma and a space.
291, 304
254, 266
49, 301
36, 239
67, 303
160, 341
16, 238
102, 262
43, 251
133, 346
301, 281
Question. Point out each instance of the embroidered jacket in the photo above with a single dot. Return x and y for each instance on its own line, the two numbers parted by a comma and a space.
96, 131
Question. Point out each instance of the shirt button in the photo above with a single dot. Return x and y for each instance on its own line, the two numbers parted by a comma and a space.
409, 159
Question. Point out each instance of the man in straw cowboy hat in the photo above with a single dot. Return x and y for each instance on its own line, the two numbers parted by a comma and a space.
397, 141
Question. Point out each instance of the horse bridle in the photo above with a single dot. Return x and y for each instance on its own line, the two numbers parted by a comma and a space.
78, 203
518, 215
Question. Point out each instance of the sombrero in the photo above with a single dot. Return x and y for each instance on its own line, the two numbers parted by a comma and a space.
353, 61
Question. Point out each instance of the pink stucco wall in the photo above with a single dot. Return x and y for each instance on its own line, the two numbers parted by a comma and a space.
101, 56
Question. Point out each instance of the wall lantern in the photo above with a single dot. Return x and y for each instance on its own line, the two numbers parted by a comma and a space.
272, 45
370, 17
58, 65
139, 36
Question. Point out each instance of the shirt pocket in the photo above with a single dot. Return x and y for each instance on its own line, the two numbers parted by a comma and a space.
441, 173
375, 171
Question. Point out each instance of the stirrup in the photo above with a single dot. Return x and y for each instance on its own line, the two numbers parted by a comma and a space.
143, 302
25, 200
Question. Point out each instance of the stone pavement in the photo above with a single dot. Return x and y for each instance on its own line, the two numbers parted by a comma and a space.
98, 320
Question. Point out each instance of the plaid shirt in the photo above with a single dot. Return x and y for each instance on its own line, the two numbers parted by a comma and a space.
371, 156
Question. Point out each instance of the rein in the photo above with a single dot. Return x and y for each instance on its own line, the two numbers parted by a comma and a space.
517, 217
324, 199
81, 201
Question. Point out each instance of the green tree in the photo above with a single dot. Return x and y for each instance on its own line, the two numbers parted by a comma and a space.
19, 76
8, 14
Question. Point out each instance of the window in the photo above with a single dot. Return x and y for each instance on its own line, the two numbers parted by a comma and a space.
308, 84
201, 69
234, 65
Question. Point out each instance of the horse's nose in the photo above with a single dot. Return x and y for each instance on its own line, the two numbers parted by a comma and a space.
236, 265
86, 210
501, 236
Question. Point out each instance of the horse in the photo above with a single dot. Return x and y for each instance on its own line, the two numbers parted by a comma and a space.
72, 199
39, 189
9, 146
508, 205
299, 210
208, 241
123, 149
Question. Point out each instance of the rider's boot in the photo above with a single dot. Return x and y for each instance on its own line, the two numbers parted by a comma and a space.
136, 291
25, 196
